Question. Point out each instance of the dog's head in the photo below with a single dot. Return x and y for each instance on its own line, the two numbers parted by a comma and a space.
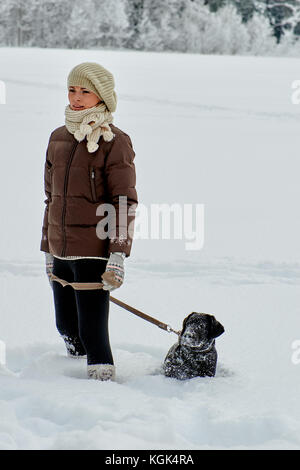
198, 329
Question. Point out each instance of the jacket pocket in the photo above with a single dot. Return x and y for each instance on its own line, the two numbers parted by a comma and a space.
93, 184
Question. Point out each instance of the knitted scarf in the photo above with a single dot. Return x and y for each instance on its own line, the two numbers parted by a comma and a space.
79, 123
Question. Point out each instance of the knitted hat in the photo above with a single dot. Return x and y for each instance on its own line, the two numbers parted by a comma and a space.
97, 79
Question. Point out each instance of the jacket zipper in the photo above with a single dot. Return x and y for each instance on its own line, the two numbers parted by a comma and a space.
65, 196
93, 186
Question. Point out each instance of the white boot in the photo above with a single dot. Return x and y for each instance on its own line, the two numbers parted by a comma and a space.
101, 371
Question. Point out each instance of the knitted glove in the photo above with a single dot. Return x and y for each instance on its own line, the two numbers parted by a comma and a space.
49, 265
113, 276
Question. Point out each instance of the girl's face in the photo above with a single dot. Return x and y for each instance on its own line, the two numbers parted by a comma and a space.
81, 98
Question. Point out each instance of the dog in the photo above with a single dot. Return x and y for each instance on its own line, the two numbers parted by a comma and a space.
194, 355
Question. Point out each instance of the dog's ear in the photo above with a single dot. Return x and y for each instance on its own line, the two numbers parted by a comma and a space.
215, 327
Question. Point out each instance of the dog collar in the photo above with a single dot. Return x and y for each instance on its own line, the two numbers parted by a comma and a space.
202, 350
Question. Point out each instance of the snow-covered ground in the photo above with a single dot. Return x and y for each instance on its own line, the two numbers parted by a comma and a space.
215, 130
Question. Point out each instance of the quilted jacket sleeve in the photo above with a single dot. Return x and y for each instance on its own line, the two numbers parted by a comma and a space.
44, 246
120, 183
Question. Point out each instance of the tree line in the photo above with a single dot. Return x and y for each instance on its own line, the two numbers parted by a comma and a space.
203, 26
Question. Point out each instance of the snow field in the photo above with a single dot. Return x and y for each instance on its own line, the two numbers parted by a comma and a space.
206, 129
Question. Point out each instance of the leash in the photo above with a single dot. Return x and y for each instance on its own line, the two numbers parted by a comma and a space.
99, 285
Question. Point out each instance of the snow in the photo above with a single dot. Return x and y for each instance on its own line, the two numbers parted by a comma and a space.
215, 130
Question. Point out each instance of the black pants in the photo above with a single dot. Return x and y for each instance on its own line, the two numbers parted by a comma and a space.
82, 315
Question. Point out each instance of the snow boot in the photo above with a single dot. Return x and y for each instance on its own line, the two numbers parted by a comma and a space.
101, 371
74, 347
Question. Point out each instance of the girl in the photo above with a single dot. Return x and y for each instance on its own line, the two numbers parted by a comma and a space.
89, 172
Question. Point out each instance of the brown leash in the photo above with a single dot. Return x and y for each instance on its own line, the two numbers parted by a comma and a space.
99, 285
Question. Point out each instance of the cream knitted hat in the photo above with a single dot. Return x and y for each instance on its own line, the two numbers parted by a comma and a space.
97, 79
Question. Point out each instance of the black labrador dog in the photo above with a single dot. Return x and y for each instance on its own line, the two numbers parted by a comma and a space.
194, 355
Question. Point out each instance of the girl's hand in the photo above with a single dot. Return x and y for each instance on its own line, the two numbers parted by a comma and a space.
113, 276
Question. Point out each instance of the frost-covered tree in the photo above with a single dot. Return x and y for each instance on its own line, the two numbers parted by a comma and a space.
261, 37
190, 26
246, 8
6, 29
34, 23
63, 23
225, 33
134, 11
204, 26
97, 23
13, 22
161, 25
284, 15
214, 5
55, 15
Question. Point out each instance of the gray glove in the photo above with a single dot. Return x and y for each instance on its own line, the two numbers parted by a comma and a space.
49, 259
113, 276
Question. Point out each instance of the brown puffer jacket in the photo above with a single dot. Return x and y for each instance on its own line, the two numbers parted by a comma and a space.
76, 182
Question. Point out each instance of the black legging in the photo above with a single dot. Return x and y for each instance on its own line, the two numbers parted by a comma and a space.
82, 315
